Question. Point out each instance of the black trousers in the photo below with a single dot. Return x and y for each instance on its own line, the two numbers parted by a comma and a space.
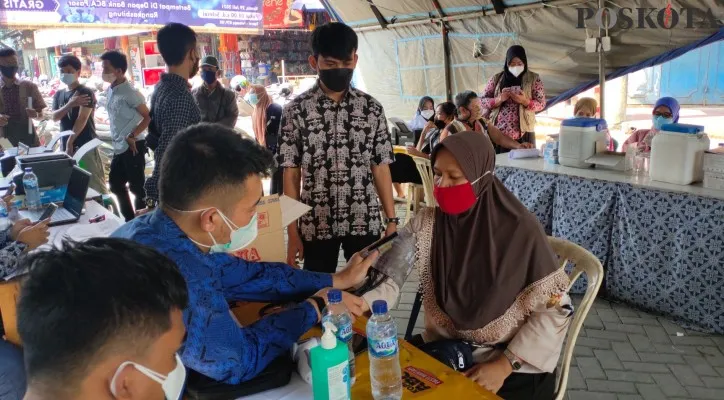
404, 170
529, 387
323, 255
528, 137
127, 168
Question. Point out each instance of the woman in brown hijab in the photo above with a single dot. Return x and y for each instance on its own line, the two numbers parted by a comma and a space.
488, 275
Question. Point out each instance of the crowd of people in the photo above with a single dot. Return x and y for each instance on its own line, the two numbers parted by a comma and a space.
145, 313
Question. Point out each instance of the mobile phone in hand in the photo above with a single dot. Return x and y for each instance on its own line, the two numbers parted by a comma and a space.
380, 245
48, 212
10, 190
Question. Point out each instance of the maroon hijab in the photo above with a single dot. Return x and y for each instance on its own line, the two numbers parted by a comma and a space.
484, 258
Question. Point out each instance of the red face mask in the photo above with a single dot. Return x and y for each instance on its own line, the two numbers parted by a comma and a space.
456, 199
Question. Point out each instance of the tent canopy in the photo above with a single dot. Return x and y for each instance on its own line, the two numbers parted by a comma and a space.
406, 60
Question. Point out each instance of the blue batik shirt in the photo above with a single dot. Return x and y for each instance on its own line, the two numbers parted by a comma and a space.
216, 345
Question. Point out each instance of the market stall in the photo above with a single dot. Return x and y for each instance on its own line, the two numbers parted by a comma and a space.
661, 244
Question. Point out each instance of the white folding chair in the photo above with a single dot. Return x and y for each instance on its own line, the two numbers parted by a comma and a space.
584, 262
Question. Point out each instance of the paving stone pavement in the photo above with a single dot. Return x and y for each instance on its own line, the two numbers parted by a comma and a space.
623, 354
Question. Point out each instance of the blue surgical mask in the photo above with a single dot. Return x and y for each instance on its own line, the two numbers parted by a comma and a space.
68, 79
239, 238
208, 76
253, 99
660, 121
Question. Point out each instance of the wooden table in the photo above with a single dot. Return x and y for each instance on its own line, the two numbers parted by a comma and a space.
423, 376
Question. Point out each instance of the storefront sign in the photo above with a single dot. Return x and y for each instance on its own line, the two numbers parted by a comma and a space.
244, 16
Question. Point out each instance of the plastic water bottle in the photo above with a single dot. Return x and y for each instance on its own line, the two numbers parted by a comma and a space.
385, 373
336, 313
32, 190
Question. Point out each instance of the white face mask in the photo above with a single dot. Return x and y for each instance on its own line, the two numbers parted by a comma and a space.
517, 70
240, 237
172, 384
427, 114
109, 78
68, 79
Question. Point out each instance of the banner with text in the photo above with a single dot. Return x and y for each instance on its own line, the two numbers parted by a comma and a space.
242, 16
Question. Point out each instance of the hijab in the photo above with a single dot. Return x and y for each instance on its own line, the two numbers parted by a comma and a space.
488, 258
586, 103
258, 117
508, 78
672, 104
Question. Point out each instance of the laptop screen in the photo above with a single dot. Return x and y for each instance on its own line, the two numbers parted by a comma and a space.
77, 190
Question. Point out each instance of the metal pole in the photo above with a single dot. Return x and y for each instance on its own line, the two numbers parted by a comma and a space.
602, 63
446, 50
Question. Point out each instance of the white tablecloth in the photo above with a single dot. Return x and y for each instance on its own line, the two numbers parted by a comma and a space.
297, 389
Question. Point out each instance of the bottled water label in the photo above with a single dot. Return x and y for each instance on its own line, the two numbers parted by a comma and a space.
344, 332
381, 348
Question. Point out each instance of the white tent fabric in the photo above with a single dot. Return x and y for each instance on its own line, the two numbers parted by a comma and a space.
406, 61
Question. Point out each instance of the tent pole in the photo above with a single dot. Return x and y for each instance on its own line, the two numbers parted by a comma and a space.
470, 15
602, 64
446, 50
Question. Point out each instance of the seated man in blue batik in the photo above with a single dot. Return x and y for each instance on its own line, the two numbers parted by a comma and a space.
210, 186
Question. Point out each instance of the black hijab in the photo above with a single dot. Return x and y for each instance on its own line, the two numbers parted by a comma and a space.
508, 78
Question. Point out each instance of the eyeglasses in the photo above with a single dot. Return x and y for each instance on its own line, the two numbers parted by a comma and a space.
662, 114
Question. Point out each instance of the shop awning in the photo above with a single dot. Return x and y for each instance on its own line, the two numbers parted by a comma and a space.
45, 38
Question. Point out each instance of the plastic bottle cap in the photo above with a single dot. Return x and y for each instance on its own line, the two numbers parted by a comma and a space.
379, 307
28, 169
334, 296
329, 340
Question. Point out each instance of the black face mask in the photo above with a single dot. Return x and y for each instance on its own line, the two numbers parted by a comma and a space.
8, 72
440, 124
337, 79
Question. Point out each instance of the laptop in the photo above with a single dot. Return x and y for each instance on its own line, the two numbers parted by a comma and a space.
72, 204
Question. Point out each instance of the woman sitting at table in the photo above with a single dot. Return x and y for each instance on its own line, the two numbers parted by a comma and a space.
586, 107
666, 111
424, 114
488, 275
432, 134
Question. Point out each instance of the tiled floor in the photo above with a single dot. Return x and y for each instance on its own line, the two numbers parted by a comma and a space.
625, 354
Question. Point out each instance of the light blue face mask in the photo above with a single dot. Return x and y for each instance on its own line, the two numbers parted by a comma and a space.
253, 99
240, 237
660, 121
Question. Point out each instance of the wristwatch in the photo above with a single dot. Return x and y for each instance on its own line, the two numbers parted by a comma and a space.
514, 362
151, 203
395, 221
320, 303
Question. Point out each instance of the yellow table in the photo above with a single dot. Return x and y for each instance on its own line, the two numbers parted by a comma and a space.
423, 376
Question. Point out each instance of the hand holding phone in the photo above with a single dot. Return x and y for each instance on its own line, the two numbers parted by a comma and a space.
48, 212
10, 190
381, 245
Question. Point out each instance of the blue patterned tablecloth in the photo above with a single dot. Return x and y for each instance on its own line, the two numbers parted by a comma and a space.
662, 251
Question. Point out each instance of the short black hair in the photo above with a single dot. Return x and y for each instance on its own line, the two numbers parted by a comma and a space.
463, 99
174, 42
448, 108
335, 40
116, 59
71, 60
207, 158
8, 52
86, 300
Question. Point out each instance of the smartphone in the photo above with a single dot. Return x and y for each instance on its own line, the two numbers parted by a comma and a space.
10, 190
382, 245
48, 211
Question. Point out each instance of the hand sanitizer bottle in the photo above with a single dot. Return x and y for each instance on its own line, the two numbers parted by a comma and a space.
330, 367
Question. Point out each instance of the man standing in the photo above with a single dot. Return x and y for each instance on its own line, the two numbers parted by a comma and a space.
172, 106
14, 94
102, 320
74, 107
129, 117
216, 103
336, 137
